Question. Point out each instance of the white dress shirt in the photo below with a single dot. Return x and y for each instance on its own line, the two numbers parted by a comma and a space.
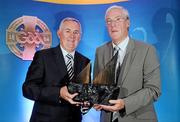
122, 49
64, 52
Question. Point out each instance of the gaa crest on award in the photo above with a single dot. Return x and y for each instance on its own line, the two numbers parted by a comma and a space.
26, 35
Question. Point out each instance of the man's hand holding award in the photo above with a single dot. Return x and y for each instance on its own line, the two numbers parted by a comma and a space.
101, 89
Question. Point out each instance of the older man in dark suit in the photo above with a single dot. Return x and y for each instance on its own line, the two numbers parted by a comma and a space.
49, 73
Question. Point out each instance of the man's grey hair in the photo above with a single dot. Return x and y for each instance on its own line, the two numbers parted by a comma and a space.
70, 19
125, 11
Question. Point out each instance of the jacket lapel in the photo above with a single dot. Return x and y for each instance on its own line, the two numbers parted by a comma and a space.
76, 64
59, 60
128, 59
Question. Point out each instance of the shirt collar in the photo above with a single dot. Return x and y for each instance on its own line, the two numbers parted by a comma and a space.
123, 44
65, 52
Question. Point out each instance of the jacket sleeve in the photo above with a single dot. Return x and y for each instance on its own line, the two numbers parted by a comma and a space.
151, 88
34, 87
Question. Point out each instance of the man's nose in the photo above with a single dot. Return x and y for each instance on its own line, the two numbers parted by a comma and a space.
113, 23
72, 35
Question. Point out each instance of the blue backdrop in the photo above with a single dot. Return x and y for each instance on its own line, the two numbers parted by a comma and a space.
155, 22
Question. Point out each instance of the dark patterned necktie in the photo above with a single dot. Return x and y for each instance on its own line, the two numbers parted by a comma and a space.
70, 66
117, 72
118, 65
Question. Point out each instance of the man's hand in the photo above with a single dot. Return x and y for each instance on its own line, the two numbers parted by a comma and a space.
67, 96
116, 105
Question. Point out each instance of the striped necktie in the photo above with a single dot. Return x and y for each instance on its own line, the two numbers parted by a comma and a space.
118, 65
117, 71
70, 66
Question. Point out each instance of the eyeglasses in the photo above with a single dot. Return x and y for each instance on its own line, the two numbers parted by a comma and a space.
116, 20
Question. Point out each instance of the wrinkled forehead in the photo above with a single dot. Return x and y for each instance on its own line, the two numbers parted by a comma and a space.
70, 24
69, 21
114, 12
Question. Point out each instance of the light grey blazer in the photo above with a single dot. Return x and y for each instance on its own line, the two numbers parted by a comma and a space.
139, 81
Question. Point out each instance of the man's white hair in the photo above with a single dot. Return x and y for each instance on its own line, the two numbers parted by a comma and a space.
70, 19
125, 11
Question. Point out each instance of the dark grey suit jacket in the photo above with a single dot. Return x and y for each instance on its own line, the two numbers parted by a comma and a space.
139, 80
46, 75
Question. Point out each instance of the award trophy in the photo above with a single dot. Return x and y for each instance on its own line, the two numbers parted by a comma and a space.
81, 85
101, 89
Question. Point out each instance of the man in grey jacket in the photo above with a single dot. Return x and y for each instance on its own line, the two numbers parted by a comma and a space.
139, 76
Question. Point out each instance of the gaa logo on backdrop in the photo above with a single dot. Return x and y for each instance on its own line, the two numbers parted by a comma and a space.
26, 35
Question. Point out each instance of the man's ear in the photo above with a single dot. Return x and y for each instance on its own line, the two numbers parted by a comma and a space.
128, 23
59, 33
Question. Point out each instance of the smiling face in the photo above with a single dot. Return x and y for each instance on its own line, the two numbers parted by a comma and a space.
117, 24
69, 35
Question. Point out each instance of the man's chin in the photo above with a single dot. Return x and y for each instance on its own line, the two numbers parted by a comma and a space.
71, 49
115, 37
